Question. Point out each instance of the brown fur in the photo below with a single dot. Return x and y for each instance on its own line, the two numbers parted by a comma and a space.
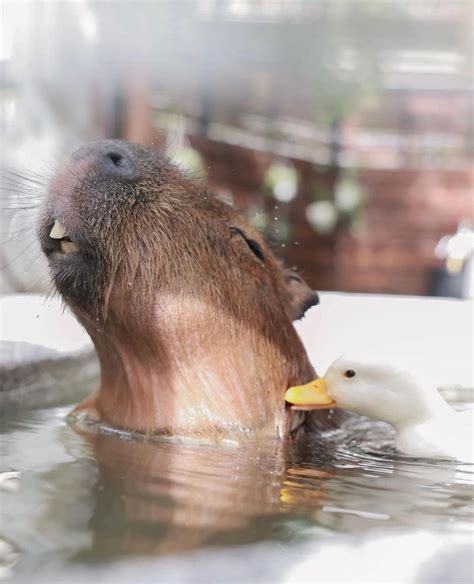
188, 309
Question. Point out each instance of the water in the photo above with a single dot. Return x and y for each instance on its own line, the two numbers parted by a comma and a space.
75, 500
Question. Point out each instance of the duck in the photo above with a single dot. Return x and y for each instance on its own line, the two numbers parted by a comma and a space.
425, 424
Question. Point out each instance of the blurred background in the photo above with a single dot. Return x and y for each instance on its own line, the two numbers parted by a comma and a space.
344, 129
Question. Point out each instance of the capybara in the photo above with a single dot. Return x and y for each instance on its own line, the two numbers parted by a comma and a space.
189, 310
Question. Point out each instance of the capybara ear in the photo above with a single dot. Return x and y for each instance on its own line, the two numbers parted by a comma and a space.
301, 296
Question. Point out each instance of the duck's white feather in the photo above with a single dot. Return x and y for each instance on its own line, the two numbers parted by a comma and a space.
425, 423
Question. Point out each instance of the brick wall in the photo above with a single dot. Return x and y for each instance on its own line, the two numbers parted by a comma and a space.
405, 214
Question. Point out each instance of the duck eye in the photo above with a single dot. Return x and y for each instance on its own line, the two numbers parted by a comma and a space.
349, 373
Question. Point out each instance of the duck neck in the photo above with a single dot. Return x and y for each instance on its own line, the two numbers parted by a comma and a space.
428, 406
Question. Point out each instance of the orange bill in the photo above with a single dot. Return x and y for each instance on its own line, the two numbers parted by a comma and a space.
312, 396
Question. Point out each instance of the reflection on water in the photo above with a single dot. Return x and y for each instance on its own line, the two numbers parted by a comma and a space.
78, 499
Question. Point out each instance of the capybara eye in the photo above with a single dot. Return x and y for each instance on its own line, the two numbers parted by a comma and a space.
253, 245
257, 250
349, 373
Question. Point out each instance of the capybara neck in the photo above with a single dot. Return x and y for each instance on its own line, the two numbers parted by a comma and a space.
198, 370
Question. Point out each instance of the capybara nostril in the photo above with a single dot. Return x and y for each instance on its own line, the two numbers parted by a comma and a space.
116, 158
117, 162
112, 158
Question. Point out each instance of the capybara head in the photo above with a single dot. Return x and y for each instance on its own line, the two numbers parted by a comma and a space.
190, 312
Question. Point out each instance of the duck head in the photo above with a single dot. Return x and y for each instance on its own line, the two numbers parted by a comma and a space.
378, 391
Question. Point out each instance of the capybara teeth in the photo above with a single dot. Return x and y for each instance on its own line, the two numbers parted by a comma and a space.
58, 231
68, 247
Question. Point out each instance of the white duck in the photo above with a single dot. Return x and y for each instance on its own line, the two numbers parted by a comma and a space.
426, 426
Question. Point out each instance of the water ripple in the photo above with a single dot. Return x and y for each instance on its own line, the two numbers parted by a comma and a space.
87, 497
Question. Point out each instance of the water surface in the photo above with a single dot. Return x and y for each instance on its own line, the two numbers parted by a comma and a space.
75, 500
